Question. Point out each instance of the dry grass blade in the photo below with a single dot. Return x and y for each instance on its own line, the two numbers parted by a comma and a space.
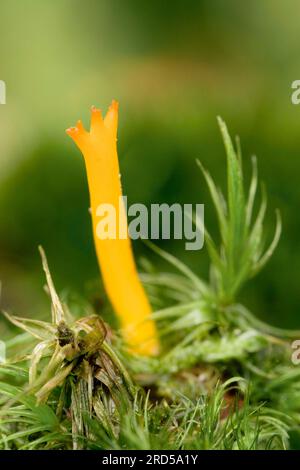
57, 308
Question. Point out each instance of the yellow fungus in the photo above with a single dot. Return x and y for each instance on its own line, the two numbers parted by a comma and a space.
115, 256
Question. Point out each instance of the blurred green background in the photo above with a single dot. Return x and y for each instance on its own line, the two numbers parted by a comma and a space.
174, 66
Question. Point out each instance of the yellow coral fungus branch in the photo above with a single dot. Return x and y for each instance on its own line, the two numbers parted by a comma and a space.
115, 257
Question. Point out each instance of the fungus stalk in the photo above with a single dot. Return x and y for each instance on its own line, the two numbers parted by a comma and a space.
115, 256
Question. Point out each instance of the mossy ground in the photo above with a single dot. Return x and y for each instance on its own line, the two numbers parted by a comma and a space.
223, 380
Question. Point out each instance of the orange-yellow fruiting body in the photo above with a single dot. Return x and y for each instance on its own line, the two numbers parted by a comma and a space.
121, 281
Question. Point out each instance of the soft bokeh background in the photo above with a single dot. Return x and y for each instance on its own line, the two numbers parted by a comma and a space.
173, 66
